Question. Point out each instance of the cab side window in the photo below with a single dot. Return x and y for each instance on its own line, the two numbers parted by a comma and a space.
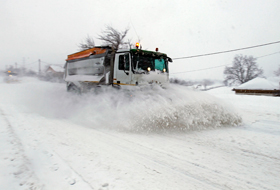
124, 62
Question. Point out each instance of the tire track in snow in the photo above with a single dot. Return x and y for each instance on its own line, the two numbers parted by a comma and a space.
171, 162
228, 175
160, 160
77, 173
164, 163
63, 170
250, 153
23, 173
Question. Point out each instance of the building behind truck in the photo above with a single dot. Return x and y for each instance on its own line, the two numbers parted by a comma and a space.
102, 65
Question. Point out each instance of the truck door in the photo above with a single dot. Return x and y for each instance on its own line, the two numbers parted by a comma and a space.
122, 69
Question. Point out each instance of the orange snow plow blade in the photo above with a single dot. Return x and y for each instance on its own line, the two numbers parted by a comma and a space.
86, 53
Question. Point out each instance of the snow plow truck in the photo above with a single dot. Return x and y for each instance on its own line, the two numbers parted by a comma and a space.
102, 65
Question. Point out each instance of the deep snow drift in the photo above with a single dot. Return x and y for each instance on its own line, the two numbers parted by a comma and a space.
152, 139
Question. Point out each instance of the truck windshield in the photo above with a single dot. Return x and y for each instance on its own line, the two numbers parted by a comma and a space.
142, 63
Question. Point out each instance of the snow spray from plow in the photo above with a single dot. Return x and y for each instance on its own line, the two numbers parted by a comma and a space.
157, 109
149, 109
178, 109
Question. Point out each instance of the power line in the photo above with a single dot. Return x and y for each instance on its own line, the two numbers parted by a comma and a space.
134, 30
51, 63
219, 65
214, 53
31, 63
268, 55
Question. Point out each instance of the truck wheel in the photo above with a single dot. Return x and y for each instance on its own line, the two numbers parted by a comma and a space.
73, 89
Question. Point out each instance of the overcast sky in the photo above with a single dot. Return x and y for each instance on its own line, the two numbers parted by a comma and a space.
51, 29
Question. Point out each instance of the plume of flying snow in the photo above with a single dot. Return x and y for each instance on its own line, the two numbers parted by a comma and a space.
148, 109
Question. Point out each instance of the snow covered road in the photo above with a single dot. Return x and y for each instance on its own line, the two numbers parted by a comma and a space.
47, 142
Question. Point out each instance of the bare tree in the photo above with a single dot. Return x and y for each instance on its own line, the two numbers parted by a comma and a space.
87, 43
277, 72
113, 37
244, 69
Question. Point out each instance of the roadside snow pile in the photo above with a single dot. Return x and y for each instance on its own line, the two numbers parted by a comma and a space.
175, 108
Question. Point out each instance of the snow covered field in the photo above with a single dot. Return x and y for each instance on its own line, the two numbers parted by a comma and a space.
171, 139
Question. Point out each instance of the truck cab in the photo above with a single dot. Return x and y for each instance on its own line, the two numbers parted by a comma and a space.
140, 67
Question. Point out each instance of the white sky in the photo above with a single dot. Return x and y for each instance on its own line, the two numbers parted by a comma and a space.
51, 29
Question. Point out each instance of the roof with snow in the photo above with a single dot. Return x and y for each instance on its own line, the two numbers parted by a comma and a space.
259, 84
57, 68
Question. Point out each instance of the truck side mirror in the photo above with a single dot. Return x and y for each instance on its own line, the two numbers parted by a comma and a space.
169, 59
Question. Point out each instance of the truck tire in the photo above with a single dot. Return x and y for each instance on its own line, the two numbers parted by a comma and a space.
73, 89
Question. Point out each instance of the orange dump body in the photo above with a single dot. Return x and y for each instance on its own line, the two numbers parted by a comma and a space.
86, 53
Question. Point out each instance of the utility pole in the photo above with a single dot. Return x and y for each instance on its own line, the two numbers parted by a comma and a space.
39, 66
23, 62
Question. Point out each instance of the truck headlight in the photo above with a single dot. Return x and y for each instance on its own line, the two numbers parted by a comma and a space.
149, 69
